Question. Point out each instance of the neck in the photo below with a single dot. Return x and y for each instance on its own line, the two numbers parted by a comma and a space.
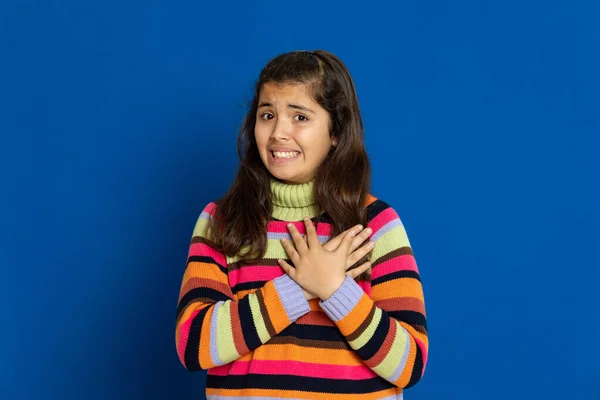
293, 202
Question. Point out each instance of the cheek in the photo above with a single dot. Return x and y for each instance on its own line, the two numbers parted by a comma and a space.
259, 137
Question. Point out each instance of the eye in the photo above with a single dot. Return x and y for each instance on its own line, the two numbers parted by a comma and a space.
266, 116
301, 118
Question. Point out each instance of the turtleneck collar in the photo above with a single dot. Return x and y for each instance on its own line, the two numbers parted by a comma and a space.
293, 202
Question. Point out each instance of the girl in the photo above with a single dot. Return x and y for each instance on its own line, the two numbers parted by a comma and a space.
285, 295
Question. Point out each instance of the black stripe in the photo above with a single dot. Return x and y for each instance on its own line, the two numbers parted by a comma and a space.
248, 327
376, 208
417, 371
313, 332
300, 383
193, 343
374, 343
201, 292
208, 260
410, 317
396, 275
248, 286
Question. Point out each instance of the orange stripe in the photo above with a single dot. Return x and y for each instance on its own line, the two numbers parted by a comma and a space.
356, 316
370, 200
197, 269
413, 332
275, 307
405, 287
204, 349
410, 364
186, 314
296, 394
292, 352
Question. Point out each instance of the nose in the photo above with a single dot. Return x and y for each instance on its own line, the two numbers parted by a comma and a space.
281, 131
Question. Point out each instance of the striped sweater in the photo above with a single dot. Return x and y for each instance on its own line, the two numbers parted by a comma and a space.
251, 327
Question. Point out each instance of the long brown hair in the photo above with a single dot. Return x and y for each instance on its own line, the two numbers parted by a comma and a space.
342, 180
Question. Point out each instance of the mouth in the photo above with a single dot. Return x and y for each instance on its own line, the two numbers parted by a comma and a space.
280, 157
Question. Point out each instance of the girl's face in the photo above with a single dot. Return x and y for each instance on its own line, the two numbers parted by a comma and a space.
292, 132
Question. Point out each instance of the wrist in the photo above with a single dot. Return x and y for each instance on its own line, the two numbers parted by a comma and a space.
329, 290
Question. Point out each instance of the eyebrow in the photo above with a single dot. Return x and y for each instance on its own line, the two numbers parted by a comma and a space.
290, 105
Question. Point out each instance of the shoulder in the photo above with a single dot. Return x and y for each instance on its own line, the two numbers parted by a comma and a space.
388, 230
382, 217
203, 223
379, 211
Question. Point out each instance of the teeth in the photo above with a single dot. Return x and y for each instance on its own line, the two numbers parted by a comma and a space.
285, 154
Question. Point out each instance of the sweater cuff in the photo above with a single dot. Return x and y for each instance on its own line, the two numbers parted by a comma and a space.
343, 300
291, 296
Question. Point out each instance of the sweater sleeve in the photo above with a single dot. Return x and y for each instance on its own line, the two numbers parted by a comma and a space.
213, 326
387, 329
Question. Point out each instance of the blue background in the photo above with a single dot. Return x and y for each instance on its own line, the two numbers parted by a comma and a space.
118, 123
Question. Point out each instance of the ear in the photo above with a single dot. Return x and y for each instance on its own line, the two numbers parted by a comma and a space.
334, 142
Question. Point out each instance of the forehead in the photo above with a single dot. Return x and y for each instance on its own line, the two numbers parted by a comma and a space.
272, 92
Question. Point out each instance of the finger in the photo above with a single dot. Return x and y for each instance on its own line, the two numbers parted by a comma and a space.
347, 242
360, 238
311, 233
334, 243
287, 268
359, 270
290, 250
359, 253
299, 241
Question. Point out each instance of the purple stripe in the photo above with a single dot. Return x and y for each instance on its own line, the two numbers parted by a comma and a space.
291, 296
386, 228
405, 352
214, 354
343, 300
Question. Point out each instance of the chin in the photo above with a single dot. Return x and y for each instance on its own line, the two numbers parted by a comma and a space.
287, 178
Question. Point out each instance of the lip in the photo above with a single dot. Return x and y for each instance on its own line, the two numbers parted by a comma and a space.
282, 160
282, 149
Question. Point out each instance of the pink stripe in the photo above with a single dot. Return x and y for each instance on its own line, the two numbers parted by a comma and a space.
201, 249
210, 208
312, 370
423, 351
254, 273
324, 229
383, 218
184, 334
404, 262
365, 286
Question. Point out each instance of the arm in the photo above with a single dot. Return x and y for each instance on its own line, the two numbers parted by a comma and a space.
213, 326
387, 330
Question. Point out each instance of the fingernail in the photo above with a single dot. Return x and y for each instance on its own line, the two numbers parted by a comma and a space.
371, 244
359, 227
352, 233
289, 225
369, 230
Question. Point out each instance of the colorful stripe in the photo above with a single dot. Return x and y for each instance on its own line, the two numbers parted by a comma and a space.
251, 327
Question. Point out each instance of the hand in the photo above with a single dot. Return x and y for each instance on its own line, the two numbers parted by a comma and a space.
356, 252
320, 270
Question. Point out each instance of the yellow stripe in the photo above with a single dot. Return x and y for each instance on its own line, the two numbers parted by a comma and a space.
201, 228
259, 322
368, 333
393, 357
389, 241
225, 350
